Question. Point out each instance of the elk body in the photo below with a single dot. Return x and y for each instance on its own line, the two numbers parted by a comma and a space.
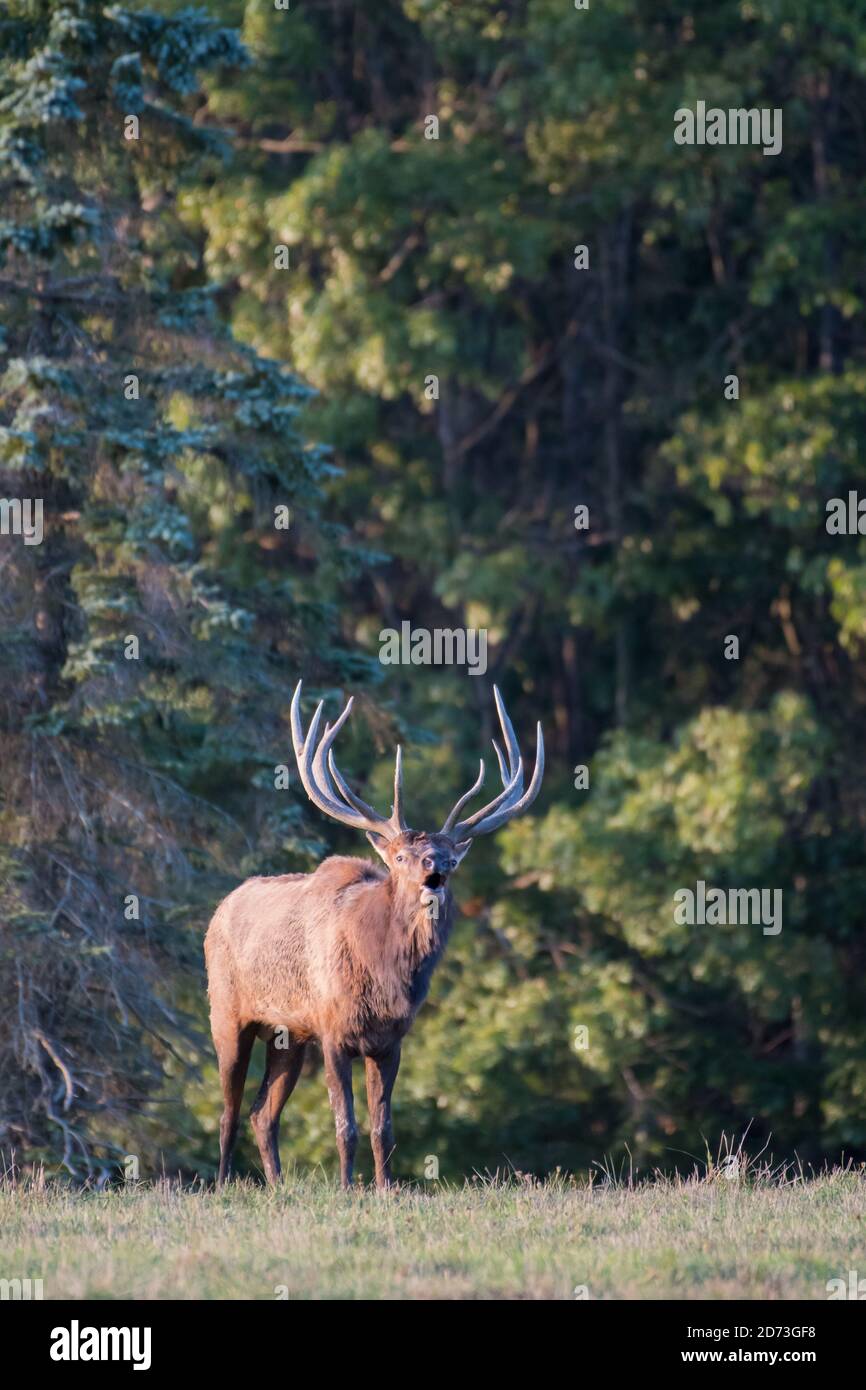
344, 955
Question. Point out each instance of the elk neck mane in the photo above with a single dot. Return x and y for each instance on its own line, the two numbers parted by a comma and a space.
381, 926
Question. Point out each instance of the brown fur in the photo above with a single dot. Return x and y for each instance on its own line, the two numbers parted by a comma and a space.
344, 956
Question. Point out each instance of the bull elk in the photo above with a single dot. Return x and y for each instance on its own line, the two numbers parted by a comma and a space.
343, 955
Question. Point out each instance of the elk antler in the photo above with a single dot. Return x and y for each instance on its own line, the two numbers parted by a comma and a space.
512, 800
324, 783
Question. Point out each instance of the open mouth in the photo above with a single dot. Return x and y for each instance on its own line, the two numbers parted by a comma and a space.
434, 880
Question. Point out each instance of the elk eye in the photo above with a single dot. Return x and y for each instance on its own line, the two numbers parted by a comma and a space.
399, 859
454, 863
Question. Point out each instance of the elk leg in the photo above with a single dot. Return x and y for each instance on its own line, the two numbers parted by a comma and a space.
282, 1069
338, 1074
233, 1047
381, 1075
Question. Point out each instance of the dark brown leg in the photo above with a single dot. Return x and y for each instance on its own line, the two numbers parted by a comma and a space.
381, 1075
338, 1074
282, 1069
233, 1047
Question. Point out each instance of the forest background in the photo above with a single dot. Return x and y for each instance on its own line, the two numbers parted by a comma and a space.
287, 286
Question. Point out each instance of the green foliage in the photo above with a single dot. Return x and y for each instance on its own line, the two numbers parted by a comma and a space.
557, 387
150, 640
414, 258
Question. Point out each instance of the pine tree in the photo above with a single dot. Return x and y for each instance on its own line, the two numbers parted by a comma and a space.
151, 632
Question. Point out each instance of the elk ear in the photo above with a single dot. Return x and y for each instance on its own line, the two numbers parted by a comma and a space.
379, 843
461, 849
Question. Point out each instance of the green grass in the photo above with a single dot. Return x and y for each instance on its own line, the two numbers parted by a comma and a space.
758, 1237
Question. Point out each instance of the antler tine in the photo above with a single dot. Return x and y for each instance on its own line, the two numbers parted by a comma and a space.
297, 726
508, 734
516, 808
466, 797
512, 800
511, 772
503, 766
510, 792
323, 753
346, 791
314, 775
299, 738
397, 820
305, 757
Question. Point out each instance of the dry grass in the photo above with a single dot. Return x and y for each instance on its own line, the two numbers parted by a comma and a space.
763, 1234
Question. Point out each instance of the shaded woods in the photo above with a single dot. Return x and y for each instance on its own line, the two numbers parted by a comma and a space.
433, 385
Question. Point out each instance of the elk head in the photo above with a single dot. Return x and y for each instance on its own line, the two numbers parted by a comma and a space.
419, 862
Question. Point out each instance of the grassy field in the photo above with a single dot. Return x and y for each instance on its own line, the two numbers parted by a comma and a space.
708, 1238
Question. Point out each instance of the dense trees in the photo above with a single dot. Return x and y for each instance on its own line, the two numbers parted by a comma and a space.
432, 169
146, 639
